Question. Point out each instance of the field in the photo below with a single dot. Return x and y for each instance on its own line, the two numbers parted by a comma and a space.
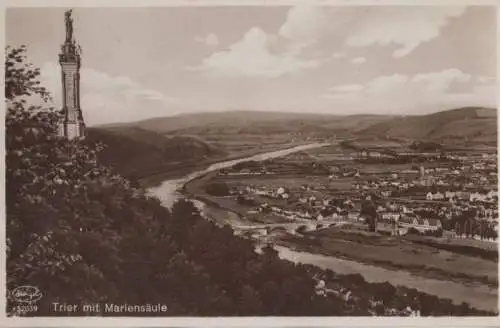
489, 246
243, 143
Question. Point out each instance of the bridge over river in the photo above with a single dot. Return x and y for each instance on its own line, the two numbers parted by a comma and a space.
288, 226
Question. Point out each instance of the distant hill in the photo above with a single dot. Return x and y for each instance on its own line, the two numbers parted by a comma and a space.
469, 123
135, 152
252, 122
474, 124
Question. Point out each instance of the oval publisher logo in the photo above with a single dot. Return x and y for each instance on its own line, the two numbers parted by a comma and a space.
26, 294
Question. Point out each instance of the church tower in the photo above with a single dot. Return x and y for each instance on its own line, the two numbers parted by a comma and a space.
69, 58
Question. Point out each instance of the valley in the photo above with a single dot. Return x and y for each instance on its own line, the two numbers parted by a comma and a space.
286, 201
151, 150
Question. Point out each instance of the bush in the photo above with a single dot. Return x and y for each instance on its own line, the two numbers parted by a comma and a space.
301, 229
217, 189
242, 200
413, 231
434, 233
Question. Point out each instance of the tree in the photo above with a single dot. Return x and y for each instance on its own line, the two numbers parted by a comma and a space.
482, 230
250, 303
217, 189
47, 182
458, 230
184, 216
413, 231
369, 211
301, 229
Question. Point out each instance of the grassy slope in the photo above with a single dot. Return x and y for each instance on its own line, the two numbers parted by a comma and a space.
256, 122
137, 153
472, 123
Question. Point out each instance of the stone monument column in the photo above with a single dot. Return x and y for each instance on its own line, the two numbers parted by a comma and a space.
73, 125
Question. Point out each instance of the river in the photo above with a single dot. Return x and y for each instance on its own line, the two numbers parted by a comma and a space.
477, 295
168, 191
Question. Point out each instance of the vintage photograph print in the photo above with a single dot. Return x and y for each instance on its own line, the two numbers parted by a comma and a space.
206, 161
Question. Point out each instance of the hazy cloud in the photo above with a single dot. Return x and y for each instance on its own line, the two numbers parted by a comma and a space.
406, 27
358, 60
338, 55
303, 25
210, 40
486, 79
107, 98
441, 81
390, 93
251, 56
347, 88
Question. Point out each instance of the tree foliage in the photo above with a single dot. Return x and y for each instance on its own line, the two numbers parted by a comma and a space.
369, 212
217, 189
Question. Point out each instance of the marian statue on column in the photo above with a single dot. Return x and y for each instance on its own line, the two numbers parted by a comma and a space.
69, 26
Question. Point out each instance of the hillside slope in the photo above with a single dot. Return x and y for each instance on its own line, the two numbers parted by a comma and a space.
469, 123
252, 122
136, 152
472, 124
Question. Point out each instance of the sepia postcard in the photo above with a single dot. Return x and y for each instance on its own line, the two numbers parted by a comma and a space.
324, 162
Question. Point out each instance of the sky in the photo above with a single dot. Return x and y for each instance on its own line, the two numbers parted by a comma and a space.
140, 63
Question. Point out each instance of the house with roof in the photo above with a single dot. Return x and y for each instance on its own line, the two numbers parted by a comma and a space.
306, 215
421, 224
353, 215
449, 194
492, 194
438, 196
478, 197
390, 216
408, 221
406, 209
463, 195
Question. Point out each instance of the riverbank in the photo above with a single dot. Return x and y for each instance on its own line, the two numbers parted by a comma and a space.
194, 189
479, 297
194, 186
184, 169
397, 253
